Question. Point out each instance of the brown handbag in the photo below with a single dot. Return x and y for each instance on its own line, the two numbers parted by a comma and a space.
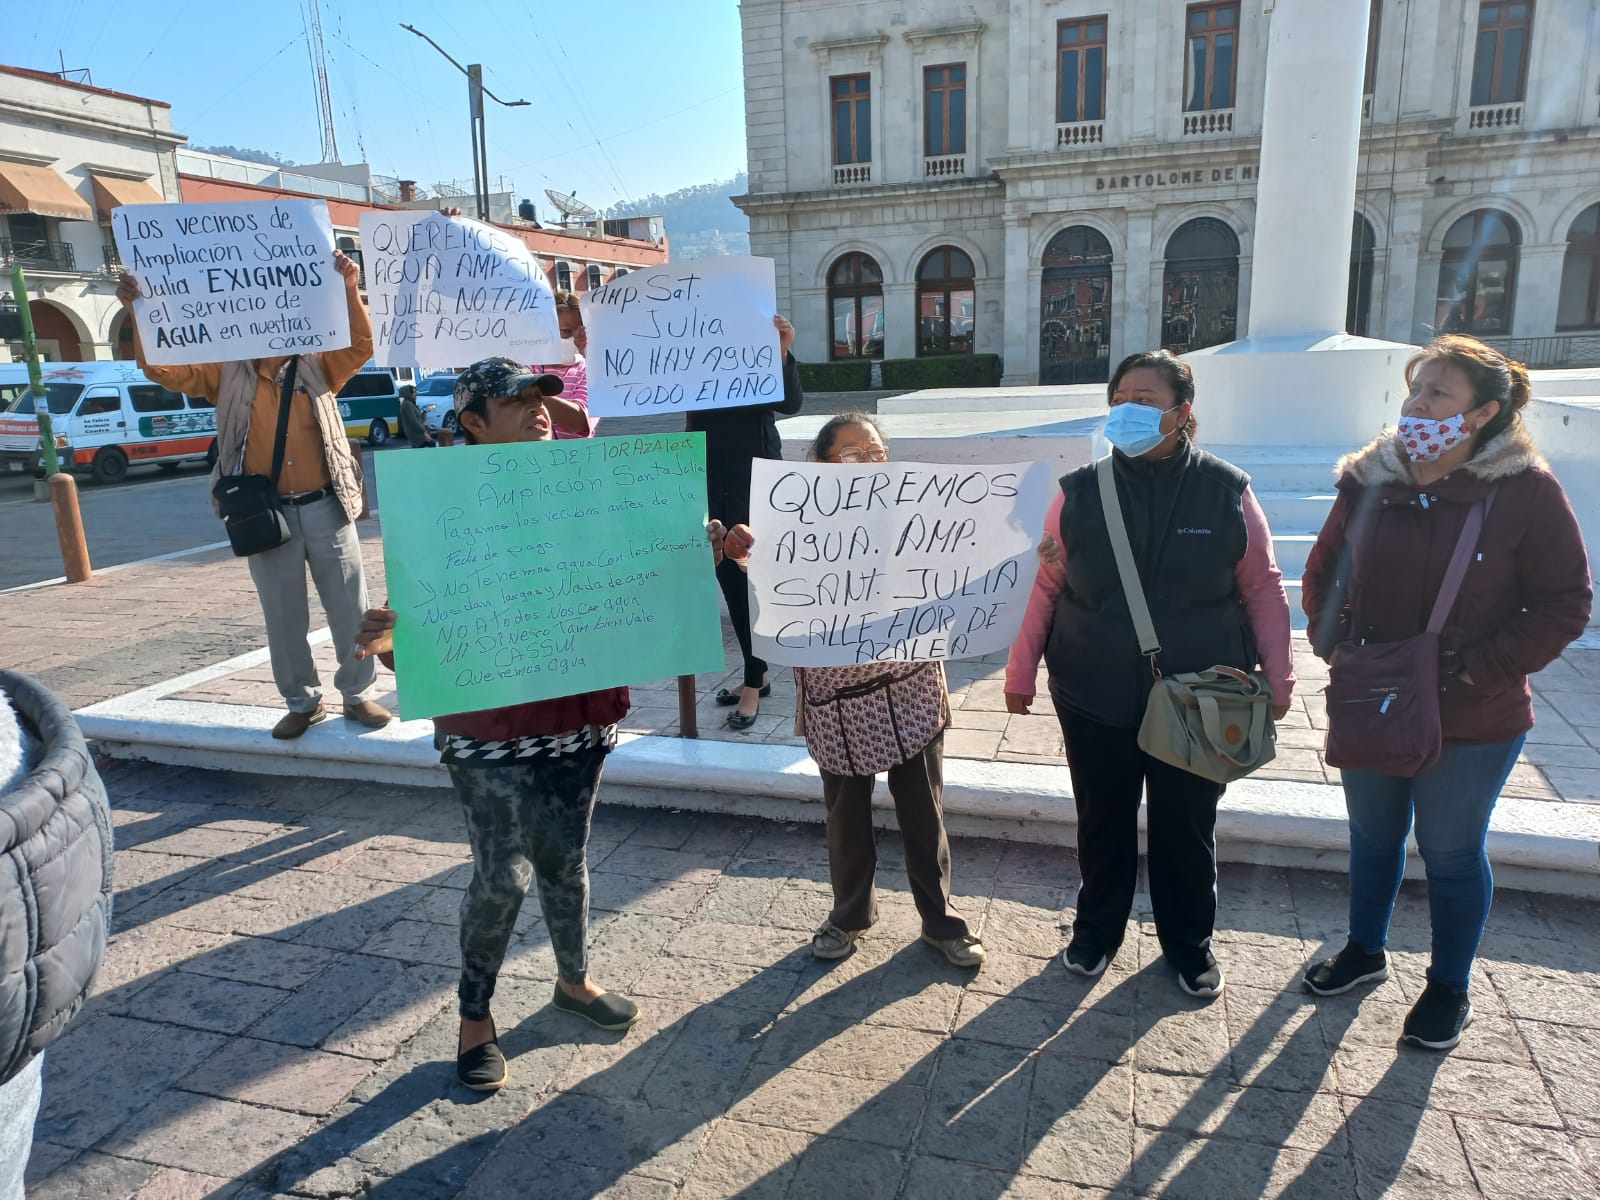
1383, 697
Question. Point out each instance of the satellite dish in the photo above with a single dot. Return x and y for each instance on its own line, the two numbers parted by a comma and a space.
570, 206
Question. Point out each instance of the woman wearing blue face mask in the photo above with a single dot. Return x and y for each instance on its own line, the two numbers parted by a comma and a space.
1460, 453
1204, 554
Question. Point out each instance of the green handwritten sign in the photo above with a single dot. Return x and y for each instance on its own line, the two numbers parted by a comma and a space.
544, 569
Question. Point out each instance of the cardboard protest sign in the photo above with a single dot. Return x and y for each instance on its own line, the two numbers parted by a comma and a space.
447, 291
892, 561
544, 569
682, 336
226, 281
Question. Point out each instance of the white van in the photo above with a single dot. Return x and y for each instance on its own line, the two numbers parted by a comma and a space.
106, 416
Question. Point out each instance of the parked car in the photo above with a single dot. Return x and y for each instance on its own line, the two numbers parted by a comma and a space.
370, 405
107, 416
436, 398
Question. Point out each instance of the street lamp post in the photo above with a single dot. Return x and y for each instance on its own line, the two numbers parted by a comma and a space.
479, 135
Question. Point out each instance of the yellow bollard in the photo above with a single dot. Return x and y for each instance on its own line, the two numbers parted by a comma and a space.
69, 527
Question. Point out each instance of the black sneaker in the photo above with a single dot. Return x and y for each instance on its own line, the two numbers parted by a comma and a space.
1083, 959
1437, 1018
1206, 983
1351, 967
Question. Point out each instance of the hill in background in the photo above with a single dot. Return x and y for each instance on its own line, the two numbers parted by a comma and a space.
701, 221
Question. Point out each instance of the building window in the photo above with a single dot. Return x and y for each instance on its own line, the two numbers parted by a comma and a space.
1358, 304
855, 305
852, 119
1579, 306
944, 97
1213, 44
1081, 70
597, 278
1075, 308
1478, 275
1200, 289
946, 302
620, 272
1374, 21
1500, 63
563, 277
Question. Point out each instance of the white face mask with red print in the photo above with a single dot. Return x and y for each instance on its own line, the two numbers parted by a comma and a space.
1426, 440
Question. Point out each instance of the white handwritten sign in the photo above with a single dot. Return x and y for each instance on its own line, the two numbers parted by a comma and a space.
219, 282
447, 291
684, 335
892, 561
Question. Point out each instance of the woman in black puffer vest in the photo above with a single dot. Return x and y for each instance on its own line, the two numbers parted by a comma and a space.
55, 899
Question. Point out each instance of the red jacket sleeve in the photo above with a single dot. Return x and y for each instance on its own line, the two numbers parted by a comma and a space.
1322, 569
1553, 579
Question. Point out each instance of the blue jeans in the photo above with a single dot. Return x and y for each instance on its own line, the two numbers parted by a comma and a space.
1452, 801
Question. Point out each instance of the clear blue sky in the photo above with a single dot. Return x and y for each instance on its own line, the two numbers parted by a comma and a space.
628, 97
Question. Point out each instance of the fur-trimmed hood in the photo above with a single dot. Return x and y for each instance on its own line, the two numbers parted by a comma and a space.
1383, 461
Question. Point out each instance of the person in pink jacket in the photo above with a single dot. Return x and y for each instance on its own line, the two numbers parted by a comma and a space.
1204, 554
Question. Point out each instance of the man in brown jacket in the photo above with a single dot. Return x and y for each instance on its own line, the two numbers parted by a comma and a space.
320, 486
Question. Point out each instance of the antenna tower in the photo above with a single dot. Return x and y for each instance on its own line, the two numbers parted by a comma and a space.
319, 65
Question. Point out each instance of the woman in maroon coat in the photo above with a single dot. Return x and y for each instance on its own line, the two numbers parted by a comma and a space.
1526, 595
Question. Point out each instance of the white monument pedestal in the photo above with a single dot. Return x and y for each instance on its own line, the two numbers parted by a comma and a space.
1299, 389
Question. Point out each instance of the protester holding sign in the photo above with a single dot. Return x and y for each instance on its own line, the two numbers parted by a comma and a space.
570, 415
860, 720
735, 437
320, 491
1204, 553
527, 776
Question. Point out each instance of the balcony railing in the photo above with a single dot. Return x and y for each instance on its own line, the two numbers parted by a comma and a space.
1495, 116
1551, 353
1208, 122
847, 173
113, 259
42, 255
941, 166
1079, 133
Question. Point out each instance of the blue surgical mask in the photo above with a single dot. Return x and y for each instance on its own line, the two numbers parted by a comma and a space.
1135, 429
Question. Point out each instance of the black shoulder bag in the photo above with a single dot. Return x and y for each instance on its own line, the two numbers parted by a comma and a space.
248, 504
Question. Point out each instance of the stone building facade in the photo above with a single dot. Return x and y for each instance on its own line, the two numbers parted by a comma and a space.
1064, 181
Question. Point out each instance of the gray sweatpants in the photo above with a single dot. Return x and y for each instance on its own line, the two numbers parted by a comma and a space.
525, 819
323, 538
19, 1105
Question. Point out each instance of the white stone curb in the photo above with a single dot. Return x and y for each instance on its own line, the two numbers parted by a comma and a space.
1540, 845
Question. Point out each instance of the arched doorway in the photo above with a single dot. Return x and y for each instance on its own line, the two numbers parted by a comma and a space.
946, 302
1358, 307
1200, 290
1478, 275
122, 337
1579, 307
1075, 308
855, 307
56, 335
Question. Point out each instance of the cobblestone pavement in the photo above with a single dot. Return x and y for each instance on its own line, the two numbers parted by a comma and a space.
275, 1017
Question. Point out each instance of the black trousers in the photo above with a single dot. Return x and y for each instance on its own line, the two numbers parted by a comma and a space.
736, 591
1109, 771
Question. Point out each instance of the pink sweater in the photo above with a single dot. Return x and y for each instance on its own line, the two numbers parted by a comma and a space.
1260, 586
574, 389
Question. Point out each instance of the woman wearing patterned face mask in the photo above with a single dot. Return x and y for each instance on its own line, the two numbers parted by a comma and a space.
1204, 555
1376, 573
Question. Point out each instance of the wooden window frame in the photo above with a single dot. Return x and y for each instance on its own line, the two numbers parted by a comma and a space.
861, 90
1500, 28
1082, 48
947, 90
1211, 33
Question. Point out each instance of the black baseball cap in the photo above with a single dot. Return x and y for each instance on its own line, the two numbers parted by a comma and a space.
492, 377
